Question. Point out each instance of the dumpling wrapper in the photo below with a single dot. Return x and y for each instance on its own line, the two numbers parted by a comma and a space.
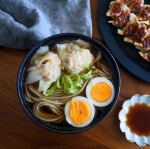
50, 56
33, 76
40, 52
78, 45
73, 46
122, 20
147, 23
46, 69
50, 66
32, 68
113, 11
63, 51
83, 43
44, 84
139, 35
136, 5
77, 58
145, 45
127, 2
65, 48
131, 27
144, 13
145, 55
74, 54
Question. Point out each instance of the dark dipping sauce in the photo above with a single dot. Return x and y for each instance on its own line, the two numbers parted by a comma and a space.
138, 119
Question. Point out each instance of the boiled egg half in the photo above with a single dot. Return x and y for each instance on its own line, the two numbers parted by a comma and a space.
100, 91
79, 111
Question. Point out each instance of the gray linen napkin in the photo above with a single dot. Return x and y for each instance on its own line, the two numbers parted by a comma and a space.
25, 22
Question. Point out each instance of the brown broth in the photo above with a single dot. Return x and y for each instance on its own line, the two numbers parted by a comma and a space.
138, 119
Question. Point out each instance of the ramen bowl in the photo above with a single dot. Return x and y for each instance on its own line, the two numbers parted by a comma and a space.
100, 115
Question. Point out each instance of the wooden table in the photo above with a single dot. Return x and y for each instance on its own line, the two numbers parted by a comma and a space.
18, 131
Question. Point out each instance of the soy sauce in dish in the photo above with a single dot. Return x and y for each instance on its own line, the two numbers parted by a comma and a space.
138, 119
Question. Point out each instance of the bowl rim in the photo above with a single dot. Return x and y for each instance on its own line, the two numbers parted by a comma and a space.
75, 35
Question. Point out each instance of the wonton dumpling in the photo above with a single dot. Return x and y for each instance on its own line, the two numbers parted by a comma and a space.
74, 54
46, 70
50, 56
50, 71
50, 66
145, 45
144, 13
139, 35
122, 20
115, 9
77, 58
136, 5
131, 27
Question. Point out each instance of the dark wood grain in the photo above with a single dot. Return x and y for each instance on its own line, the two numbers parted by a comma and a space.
18, 131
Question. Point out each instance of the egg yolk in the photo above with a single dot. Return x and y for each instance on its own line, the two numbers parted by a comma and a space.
79, 112
101, 92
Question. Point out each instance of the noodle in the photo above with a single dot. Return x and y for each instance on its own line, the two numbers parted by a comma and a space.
56, 102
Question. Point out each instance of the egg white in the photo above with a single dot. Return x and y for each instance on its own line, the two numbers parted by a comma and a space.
79, 98
95, 81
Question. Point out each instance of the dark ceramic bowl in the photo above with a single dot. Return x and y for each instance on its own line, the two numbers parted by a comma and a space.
64, 127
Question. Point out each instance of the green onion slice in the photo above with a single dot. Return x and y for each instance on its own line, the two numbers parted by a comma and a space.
76, 79
85, 65
66, 80
50, 91
86, 75
59, 83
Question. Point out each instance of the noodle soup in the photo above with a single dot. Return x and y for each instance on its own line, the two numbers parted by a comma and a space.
57, 100
58, 74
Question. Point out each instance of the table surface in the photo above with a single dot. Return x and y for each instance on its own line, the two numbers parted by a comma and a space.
18, 131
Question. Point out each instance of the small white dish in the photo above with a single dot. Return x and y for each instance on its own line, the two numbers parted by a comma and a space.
139, 140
